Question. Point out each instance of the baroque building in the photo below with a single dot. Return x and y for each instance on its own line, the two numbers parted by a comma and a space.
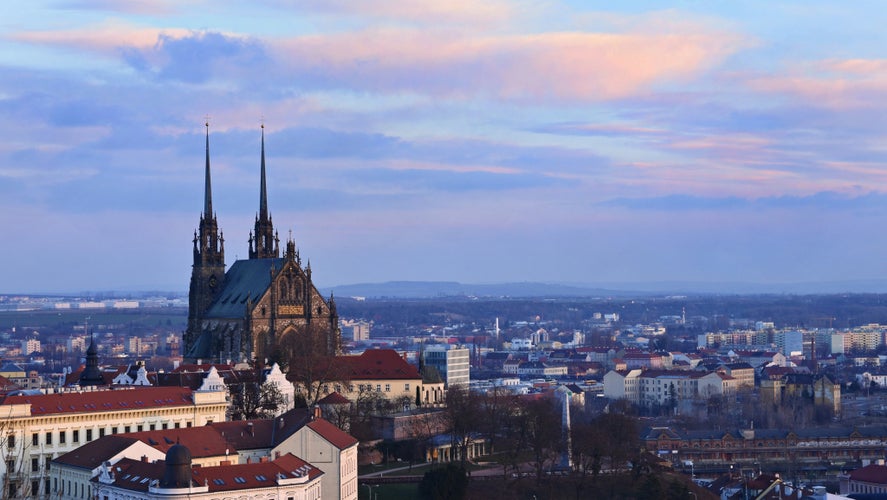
241, 313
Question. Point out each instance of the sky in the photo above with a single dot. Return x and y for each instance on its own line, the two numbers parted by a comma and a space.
481, 142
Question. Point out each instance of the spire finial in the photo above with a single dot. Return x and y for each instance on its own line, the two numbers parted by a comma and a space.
208, 194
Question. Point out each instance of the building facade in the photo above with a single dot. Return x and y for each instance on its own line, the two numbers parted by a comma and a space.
38, 428
452, 362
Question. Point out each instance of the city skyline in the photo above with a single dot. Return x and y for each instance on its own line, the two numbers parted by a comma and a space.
562, 142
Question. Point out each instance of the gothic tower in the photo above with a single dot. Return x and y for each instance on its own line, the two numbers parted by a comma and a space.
208, 270
267, 244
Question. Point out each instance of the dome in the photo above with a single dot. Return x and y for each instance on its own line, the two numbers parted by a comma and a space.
178, 467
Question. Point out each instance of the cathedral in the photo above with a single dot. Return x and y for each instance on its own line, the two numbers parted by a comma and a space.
242, 313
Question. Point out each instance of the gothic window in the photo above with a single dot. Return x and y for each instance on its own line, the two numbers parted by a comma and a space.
283, 294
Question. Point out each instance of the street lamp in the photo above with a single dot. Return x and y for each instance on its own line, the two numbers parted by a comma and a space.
370, 487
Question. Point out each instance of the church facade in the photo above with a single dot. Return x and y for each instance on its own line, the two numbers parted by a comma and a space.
243, 312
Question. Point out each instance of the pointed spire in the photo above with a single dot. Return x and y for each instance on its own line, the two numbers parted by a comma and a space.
208, 194
265, 247
263, 194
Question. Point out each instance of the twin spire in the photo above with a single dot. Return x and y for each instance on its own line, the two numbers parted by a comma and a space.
264, 242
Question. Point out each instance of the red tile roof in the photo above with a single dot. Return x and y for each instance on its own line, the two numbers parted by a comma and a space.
255, 475
266, 433
202, 368
202, 441
92, 454
336, 437
131, 474
870, 474
334, 398
130, 398
378, 364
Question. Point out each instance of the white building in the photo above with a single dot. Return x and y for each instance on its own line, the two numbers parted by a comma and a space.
299, 433
453, 363
664, 387
30, 346
41, 427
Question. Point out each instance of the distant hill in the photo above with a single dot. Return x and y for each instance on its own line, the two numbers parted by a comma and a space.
437, 289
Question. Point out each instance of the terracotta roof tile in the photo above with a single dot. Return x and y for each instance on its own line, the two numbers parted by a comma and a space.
378, 364
337, 437
135, 398
90, 455
202, 441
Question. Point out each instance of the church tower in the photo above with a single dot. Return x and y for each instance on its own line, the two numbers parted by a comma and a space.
208, 269
266, 244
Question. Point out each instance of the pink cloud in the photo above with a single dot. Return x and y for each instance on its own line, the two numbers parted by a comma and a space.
554, 66
106, 38
837, 84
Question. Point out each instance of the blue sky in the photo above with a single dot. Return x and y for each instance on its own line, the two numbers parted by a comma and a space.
587, 142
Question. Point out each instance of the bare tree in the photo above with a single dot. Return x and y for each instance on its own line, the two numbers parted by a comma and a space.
254, 399
463, 416
304, 354
542, 420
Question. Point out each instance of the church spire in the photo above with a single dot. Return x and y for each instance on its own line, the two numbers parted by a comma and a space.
208, 270
207, 190
263, 243
263, 190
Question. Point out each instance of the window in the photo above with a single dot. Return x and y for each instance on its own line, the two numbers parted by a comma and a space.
35, 439
126, 429
387, 387
151, 427
49, 438
176, 425
88, 435
187, 424
406, 387
46, 486
13, 489
139, 428
75, 436
35, 487
102, 432
378, 387
164, 425
10, 465
48, 461
35, 465
63, 436
10, 442
113, 430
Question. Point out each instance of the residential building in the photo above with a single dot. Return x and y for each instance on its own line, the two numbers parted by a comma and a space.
301, 433
175, 478
871, 479
41, 427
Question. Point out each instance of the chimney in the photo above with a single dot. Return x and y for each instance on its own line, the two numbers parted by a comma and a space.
249, 428
280, 422
317, 413
225, 462
145, 458
263, 460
